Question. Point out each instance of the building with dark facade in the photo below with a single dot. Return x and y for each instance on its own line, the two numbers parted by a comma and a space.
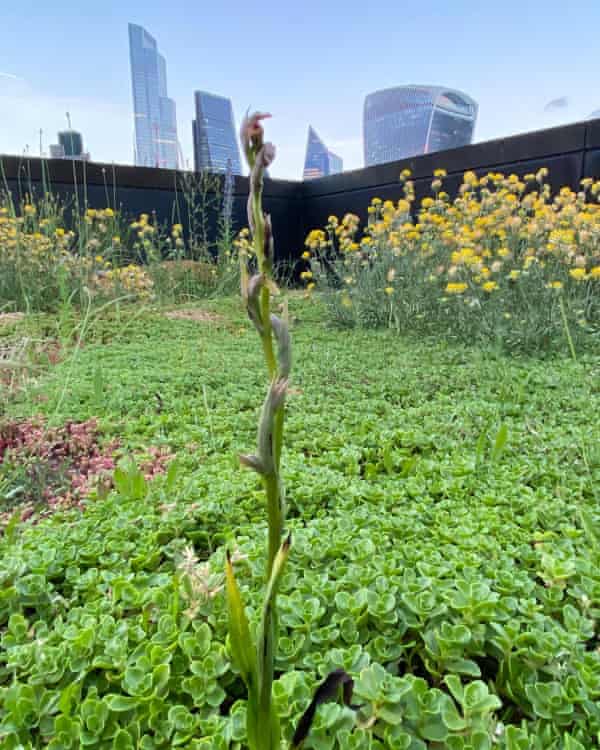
69, 146
154, 113
319, 160
411, 120
215, 137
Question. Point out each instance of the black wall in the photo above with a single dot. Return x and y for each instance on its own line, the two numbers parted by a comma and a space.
570, 152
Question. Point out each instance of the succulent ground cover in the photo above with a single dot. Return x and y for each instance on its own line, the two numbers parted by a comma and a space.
444, 507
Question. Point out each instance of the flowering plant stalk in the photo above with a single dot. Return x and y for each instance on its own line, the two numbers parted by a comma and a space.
255, 657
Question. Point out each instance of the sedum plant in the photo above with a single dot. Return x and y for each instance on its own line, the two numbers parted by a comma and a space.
254, 656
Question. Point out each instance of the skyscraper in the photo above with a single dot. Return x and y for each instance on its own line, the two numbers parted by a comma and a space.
410, 120
154, 113
69, 146
215, 137
319, 161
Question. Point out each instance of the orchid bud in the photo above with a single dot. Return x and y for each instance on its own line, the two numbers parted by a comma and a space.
255, 284
251, 134
281, 331
269, 245
252, 461
266, 156
274, 400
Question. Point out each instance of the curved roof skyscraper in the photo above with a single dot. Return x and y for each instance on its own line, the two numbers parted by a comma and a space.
407, 121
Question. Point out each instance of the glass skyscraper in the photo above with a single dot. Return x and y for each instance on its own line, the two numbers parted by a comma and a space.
319, 161
154, 113
215, 137
410, 120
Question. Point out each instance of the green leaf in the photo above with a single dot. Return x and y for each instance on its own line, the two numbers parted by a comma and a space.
120, 703
240, 640
122, 741
499, 443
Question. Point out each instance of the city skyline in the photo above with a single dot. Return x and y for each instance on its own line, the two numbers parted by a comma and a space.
154, 113
291, 65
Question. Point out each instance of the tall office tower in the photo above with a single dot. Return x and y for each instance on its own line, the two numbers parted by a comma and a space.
215, 136
69, 146
154, 113
319, 161
410, 120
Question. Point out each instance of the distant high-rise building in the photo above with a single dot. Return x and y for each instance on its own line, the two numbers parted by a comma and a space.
69, 146
319, 161
215, 137
410, 120
154, 113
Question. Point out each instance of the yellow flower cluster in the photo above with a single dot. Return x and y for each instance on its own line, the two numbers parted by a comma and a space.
498, 232
130, 280
243, 243
28, 240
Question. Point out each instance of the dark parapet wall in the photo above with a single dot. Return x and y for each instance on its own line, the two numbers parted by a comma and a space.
562, 150
136, 190
570, 152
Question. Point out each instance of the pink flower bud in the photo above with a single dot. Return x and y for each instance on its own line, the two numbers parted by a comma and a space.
251, 132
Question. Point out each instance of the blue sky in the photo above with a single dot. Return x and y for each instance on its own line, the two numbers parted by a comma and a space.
308, 62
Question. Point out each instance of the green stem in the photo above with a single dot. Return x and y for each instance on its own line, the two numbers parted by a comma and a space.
275, 518
267, 337
563, 313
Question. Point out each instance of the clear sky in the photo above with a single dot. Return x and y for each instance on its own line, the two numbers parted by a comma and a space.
311, 61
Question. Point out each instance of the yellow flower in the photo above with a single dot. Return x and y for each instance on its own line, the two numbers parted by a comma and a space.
555, 285
389, 290
109, 213
306, 255
514, 275
310, 286
489, 286
427, 202
440, 173
456, 287
306, 275
578, 274
595, 272
59, 232
405, 174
